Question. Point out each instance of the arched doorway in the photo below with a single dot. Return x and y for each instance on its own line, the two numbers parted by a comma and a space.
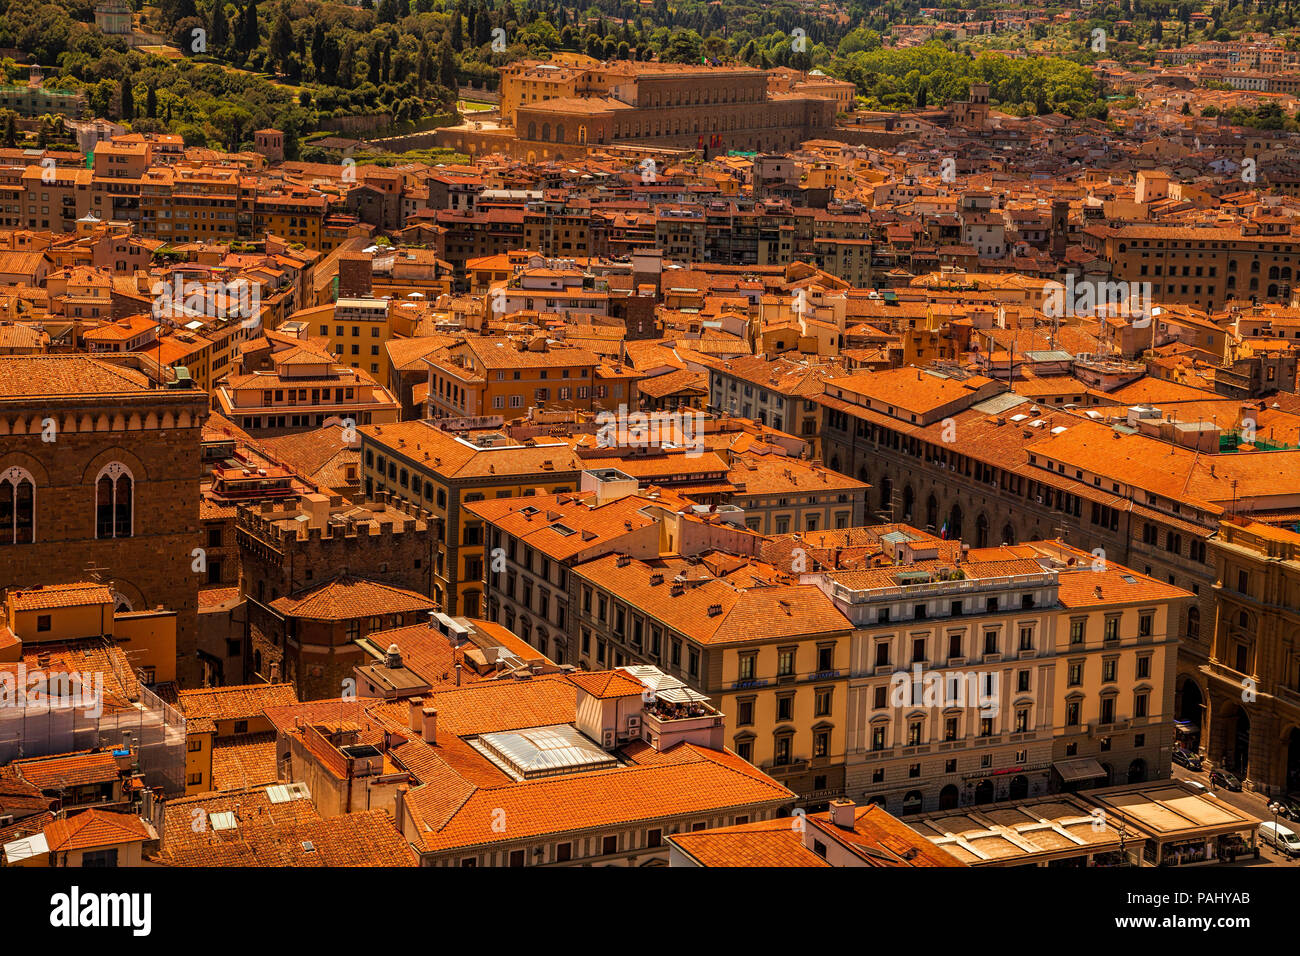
1189, 713
1189, 703
1293, 761
953, 529
912, 802
982, 531
1137, 771
909, 498
1239, 761
1008, 534
984, 792
949, 797
1019, 787
878, 801
931, 514
887, 495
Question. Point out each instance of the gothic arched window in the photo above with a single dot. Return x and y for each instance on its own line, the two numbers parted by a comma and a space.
114, 501
17, 506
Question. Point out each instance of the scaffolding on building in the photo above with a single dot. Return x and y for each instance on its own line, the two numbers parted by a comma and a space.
148, 726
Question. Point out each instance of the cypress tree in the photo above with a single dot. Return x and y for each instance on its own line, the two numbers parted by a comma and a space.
220, 27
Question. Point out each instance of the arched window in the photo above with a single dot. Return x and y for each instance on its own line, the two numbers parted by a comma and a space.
17, 506
559, 132
114, 501
532, 131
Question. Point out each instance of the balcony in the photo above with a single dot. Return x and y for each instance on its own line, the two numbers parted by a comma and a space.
663, 717
669, 721
1098, 729
789, 768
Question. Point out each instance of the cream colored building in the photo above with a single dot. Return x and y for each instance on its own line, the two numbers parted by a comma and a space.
1001, 673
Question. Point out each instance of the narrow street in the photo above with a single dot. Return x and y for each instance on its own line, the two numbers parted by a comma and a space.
1254, 804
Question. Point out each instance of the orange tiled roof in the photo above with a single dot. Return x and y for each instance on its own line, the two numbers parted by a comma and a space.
69, 770
60, 595
608, 684
246, 760
775, 843
703, 781
47, 376
714, 611
236, 702
292, 833
95, 828
348, 597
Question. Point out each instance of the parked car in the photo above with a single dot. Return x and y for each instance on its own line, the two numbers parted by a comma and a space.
1280, 838
1221, 778
1288, 808
1188, 759
1198, 787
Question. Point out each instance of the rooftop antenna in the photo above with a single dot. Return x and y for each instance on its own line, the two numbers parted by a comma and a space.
1062, 528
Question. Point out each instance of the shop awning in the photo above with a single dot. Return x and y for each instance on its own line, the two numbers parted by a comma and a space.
1085, 768
1186, 726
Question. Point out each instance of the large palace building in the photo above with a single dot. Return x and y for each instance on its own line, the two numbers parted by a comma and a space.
555, 110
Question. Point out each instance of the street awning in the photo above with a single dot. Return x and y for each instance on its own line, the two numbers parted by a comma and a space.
1085, 768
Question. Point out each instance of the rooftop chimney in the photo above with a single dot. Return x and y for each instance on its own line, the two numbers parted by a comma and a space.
430, 728
413, 719
842, 812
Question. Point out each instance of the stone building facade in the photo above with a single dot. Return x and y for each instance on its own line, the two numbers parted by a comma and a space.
562, 112
1248, 691
99, 475
386, 541
983, 488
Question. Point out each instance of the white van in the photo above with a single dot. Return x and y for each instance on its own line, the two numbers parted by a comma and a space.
1280, 838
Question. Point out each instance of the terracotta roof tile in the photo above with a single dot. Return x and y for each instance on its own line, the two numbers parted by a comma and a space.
95, 828
235, 702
